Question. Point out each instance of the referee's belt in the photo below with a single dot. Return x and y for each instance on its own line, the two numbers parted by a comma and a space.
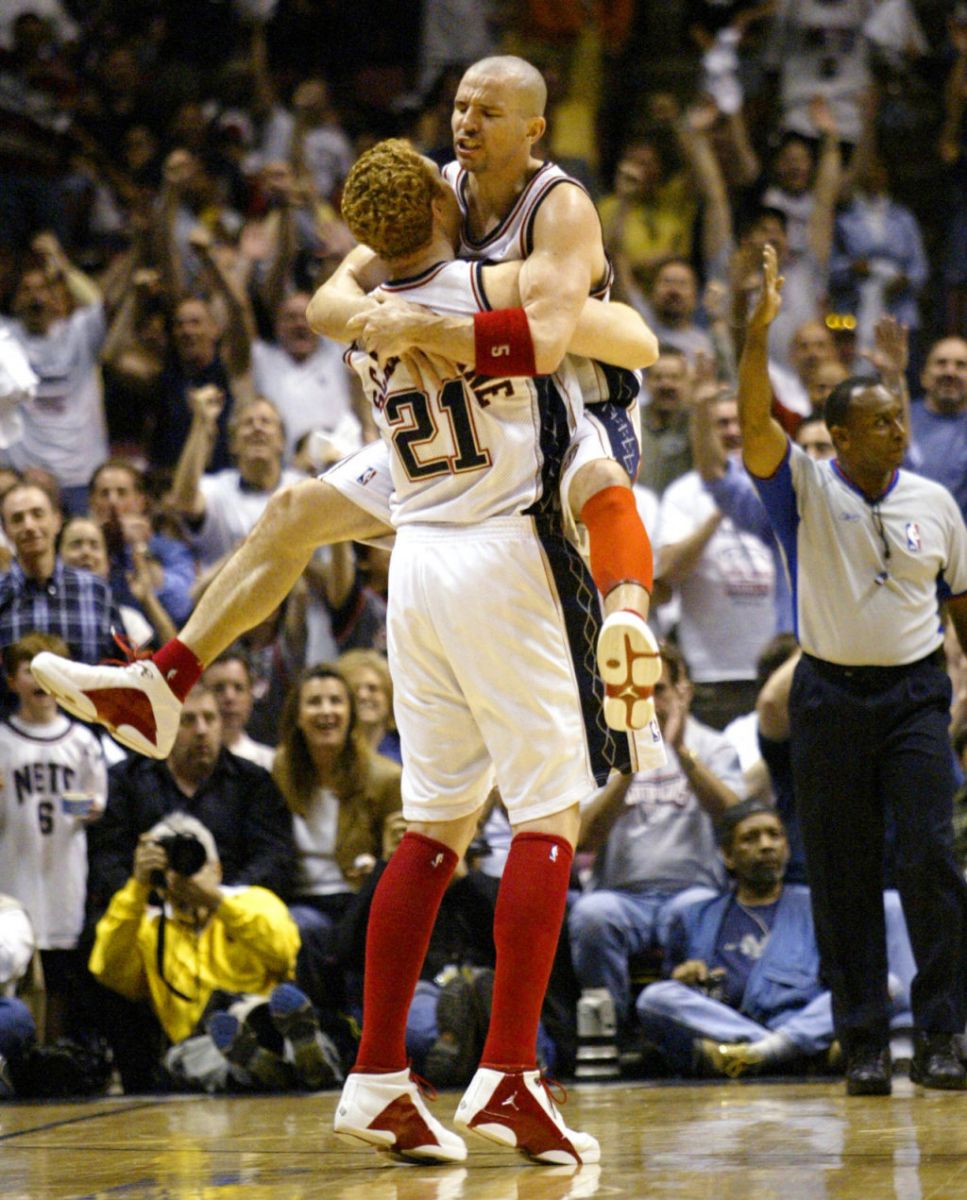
872, 679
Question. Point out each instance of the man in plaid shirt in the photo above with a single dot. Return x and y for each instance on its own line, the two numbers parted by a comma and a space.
40, 593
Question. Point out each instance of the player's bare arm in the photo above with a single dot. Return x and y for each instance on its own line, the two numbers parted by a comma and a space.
566, 261
340, 309
612, 333
763, 440
554, 284
343, 296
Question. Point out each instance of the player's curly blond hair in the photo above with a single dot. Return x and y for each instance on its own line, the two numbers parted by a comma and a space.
387, 199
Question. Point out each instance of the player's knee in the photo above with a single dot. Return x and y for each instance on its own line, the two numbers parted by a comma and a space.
594, 477
285, 516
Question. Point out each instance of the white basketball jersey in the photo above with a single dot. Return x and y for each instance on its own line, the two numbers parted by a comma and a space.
465, 447
512, 239
43, 850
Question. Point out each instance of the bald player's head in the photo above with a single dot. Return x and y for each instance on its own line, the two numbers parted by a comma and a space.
525, 80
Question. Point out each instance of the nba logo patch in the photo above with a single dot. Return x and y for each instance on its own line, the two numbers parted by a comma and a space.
913, 537
366, 476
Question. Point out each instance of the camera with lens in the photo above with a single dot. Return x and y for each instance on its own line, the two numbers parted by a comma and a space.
186, 856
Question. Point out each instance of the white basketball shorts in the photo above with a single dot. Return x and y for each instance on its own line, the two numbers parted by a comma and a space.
486, 673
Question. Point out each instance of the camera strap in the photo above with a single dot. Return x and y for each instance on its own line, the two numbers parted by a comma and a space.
160, 956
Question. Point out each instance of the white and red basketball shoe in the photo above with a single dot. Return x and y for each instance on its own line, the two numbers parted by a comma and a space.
132, 702
630, 666
387, 1112
514, 1108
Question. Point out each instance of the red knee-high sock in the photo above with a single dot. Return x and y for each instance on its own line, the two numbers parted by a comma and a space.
400, 923
527, 924
619, 543
179, 666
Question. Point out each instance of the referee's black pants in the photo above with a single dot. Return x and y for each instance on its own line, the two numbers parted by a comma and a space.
866, 741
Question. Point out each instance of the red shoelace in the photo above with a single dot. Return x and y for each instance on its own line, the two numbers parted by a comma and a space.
131, 652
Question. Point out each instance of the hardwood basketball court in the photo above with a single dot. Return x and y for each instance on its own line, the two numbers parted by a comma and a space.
731, 1141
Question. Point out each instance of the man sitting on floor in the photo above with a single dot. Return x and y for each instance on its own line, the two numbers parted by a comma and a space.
744, 994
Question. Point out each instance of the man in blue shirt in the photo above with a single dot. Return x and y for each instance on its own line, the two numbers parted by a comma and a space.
39, 593
119, 503
744, 991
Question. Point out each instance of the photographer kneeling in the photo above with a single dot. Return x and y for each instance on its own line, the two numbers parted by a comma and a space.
212, 962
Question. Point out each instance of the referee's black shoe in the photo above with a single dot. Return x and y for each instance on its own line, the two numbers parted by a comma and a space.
936, 1063
869, 1071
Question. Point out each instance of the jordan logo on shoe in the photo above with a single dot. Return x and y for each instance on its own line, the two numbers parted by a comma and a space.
172, 674
436, 861
554, 854
627, 689
536, 1126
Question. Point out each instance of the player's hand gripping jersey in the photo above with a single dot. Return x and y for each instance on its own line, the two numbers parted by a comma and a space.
609, 431
466, 447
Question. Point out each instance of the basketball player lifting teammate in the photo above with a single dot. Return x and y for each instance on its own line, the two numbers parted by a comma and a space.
497, 119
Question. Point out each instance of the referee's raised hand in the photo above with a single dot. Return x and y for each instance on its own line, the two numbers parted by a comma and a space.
770, 298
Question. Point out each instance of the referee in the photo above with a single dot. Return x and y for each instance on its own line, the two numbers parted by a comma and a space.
873, 552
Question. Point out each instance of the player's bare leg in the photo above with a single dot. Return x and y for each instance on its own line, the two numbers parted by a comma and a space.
265, 567
141, 703
601, 498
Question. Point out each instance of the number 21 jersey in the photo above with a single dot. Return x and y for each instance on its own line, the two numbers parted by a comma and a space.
465, 447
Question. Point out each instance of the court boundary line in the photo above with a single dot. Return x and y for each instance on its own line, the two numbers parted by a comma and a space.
92, 1116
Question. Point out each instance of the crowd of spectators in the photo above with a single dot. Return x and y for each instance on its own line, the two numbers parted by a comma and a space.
169, 199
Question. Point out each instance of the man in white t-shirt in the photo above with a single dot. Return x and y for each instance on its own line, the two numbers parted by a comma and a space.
725, 580
304, 376
64, 429
654, 843
221, 508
